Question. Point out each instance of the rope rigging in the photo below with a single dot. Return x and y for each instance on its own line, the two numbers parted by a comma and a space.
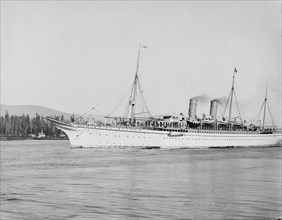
238, 107
136, 99
230, 99
119, 104
270, 115
104, 99
136, 104
263, 107
101, 92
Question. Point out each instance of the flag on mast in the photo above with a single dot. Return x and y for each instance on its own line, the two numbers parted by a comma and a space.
235, 70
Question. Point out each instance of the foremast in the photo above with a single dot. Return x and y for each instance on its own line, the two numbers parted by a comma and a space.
135, 87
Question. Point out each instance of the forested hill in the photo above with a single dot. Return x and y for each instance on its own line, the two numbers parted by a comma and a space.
31, 110
21, 121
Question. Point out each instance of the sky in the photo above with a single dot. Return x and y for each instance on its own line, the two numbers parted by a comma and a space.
71, 55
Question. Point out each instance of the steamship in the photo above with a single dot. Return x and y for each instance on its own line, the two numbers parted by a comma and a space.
141, 129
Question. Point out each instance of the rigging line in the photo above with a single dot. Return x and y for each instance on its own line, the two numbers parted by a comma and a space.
141, 99
142, 104
270, 114
138, 103
119, 103
126, 110
140, 86
260, 110
108, 89
125, 114
95, 109
133, 90
226, 104
141, 108
238, 106
139, 113
266, 123
110, 94
127, 106
83, 114
102, 72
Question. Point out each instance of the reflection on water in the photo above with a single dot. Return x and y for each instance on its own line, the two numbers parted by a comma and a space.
48, 180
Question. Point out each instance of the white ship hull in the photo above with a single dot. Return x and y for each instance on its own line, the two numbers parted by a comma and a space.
96, 136
138, 128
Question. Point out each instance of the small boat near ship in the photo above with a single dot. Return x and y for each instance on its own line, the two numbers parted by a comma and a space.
170, 131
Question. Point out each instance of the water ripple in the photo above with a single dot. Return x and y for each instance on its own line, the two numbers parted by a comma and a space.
48, 180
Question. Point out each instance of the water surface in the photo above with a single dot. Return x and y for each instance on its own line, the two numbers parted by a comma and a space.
49, 180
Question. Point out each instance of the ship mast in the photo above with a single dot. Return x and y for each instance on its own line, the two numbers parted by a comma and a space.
134, 86
264, 109
263, 106
231, 98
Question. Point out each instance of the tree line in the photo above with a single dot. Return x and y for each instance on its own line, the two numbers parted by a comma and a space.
24, 126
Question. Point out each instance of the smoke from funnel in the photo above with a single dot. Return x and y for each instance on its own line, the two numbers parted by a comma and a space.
220, 101
201, 98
